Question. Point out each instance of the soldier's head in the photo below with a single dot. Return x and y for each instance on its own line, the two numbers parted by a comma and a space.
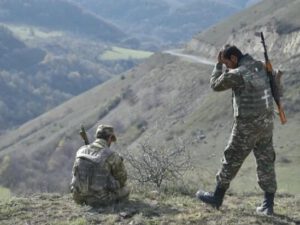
106, 132
231, 56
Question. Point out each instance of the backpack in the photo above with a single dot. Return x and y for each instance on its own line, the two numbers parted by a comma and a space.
89, 174
82, 175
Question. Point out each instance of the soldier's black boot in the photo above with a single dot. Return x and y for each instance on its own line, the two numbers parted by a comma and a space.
266, 207
215, 199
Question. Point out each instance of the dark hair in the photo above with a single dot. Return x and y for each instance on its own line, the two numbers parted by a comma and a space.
103, 135
230, 50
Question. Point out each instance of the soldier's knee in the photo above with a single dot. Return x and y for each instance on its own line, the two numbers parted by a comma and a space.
123, 193
78, 199
126, 192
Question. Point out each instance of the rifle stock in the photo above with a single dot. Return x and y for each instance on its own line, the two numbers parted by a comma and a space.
282, 117
273, 84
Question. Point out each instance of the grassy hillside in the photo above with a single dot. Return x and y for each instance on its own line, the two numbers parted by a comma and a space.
149, 208
60, 15
141, 104
5, 194
163, 100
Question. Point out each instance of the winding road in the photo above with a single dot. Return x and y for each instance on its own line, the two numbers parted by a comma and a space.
193, 58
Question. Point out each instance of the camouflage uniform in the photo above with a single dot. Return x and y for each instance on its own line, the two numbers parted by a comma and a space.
103, 173
253, 121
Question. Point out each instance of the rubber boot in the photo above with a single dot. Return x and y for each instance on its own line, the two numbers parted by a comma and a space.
266, 207
214, 199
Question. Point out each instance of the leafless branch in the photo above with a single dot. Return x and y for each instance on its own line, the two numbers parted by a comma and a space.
156, 164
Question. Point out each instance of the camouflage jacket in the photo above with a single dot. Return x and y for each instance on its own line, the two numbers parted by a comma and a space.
108, 172
251, 92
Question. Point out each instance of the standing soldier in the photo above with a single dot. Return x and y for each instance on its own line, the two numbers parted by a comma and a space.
99, 175
252, 128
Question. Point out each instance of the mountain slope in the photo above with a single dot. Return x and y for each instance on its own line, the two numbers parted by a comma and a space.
60, 15
43, 72
51, 51
277, 18
13, 51
163, 100
240, 3
157, 22
16, 56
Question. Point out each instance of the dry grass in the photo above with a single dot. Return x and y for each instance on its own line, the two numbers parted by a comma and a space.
146, 208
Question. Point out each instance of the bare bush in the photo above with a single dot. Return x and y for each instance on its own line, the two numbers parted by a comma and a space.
130, 96
159, 164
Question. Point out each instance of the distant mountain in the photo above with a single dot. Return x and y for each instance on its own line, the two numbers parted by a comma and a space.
33, 80
41, 68
15, 54
240, 3
157, 22
59, 15
50, 51
164, 100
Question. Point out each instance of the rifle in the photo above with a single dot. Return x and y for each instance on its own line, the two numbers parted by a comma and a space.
273, 84
84, 135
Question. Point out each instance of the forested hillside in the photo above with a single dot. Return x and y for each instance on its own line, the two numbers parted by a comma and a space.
161, 23
14, 54
34, 78
59, 15
51, 51
16, 98
240, 3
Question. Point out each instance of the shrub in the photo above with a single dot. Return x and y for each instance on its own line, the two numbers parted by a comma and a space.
158, 164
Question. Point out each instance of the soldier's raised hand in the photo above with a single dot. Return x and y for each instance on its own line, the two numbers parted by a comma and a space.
220, 57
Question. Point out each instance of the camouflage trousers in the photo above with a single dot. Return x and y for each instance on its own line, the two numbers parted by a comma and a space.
251, 134
98, 199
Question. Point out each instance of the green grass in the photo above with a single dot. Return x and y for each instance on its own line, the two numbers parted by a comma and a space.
79, 221
5, 194
117, 53
31, 32
147, 208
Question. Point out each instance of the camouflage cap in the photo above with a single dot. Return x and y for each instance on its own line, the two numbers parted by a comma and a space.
106, 130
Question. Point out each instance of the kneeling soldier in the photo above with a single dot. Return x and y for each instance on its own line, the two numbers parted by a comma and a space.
99, 175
